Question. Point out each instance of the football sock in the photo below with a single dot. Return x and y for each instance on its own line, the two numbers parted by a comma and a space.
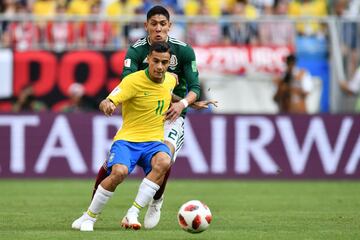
161, 190
146, 192
100, 199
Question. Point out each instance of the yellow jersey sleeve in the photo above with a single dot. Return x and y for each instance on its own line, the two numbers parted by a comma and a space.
124, 91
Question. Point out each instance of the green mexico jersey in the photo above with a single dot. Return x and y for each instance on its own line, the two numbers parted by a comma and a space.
182, 63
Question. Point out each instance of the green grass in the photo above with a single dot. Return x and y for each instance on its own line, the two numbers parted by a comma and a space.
45, 209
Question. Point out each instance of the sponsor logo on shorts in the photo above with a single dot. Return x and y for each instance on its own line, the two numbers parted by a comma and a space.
111, 157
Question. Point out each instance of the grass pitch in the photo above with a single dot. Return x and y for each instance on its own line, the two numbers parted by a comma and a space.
45, 209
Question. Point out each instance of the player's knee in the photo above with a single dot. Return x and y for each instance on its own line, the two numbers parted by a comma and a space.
161, 162
119, 172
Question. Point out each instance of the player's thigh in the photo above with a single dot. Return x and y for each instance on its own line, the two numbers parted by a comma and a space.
174, 135
157, 150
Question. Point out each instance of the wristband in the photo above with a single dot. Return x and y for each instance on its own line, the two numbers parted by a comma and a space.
185, 102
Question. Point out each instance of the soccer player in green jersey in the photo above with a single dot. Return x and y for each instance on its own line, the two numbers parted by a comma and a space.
183, 65
145, 96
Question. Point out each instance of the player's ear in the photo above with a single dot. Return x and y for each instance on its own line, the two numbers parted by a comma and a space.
146, 26
170, 23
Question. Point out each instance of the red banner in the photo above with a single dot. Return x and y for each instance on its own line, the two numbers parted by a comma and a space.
237, 59
52, 73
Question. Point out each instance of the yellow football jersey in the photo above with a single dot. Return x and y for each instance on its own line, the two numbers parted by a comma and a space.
143, 104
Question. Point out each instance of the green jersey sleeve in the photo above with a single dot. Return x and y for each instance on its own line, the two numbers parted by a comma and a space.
131, 62
190, 71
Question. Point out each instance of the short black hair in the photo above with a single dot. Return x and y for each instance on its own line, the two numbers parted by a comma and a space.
290, 59
160, 47
158, 10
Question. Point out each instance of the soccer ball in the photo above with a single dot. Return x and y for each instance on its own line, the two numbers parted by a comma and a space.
194, 216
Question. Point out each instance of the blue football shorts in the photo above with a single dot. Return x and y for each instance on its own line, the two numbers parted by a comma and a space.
131, 154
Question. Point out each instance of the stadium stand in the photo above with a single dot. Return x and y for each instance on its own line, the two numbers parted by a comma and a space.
60, 26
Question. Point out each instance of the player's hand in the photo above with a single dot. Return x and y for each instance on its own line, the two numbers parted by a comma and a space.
344, 86
107, 107
203, 104
174, 111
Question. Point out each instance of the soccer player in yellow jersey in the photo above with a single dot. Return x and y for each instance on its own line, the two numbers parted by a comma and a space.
145, 97
183, 64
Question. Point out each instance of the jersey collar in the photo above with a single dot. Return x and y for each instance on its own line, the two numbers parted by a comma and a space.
148, 75
148, 39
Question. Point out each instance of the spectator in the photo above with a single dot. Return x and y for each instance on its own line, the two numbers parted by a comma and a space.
148, 4
26, 101
80, 7
352, 87
193, 7
177, 29
128, 32
134, 30
278, 33
349, 32
292, 88
96, 34
21, 35
241, 32
8, 9
204, 33
2, 7
60, 32
306, 8
44, 7
77, 100
121, 8
263, 7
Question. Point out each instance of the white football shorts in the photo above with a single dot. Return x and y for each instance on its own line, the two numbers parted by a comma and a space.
174, 134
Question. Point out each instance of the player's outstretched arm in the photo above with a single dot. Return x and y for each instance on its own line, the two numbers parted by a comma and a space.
199, 105
345, 87
107, 107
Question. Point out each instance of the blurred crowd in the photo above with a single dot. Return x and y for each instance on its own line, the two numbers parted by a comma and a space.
60, 31
61, 25
216, 8
75, 100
